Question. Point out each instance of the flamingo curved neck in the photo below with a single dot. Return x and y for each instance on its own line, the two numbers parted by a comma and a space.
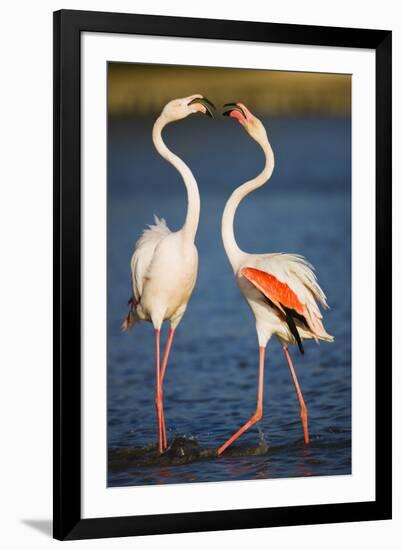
234, 253
193, 197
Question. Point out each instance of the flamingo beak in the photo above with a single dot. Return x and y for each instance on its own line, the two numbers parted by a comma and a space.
234, 110
233, 107
206, 103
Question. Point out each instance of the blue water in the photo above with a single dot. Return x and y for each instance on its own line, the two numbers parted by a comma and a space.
211, 381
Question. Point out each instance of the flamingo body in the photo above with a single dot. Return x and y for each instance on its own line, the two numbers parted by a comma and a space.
164, 271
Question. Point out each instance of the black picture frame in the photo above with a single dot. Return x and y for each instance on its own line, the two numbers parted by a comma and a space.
68, 26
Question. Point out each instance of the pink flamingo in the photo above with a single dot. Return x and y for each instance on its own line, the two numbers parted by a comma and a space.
281, 289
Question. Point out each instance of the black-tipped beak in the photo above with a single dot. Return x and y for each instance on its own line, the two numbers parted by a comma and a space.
232, 107
209, 106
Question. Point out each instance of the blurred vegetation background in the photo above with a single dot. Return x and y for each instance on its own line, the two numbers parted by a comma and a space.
142, 89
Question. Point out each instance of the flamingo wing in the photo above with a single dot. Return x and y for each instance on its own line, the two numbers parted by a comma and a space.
281, 295
289, 282
144, 252
140, 262
278, 292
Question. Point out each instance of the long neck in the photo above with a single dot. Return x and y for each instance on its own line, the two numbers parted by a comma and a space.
189, 228
233, 251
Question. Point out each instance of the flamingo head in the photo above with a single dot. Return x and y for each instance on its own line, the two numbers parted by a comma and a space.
250, 123
178, 109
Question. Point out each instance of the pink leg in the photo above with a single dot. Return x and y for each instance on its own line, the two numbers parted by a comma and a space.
258, 412
167, 351
162, 375
303, 408
164, 440
158, 391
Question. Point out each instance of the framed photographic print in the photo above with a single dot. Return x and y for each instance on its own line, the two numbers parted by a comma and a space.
222, 268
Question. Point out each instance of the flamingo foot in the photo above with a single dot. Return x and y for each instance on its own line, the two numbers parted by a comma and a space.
253, 420
258, 413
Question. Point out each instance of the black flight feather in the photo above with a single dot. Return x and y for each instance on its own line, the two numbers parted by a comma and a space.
290, 313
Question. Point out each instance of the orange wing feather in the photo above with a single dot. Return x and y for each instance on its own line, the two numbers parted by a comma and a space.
279, 293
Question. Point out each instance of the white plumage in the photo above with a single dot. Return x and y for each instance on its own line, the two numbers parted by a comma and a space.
163, 271
143, 254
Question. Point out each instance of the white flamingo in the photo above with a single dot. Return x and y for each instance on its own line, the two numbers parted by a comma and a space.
281, 289
164, 264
